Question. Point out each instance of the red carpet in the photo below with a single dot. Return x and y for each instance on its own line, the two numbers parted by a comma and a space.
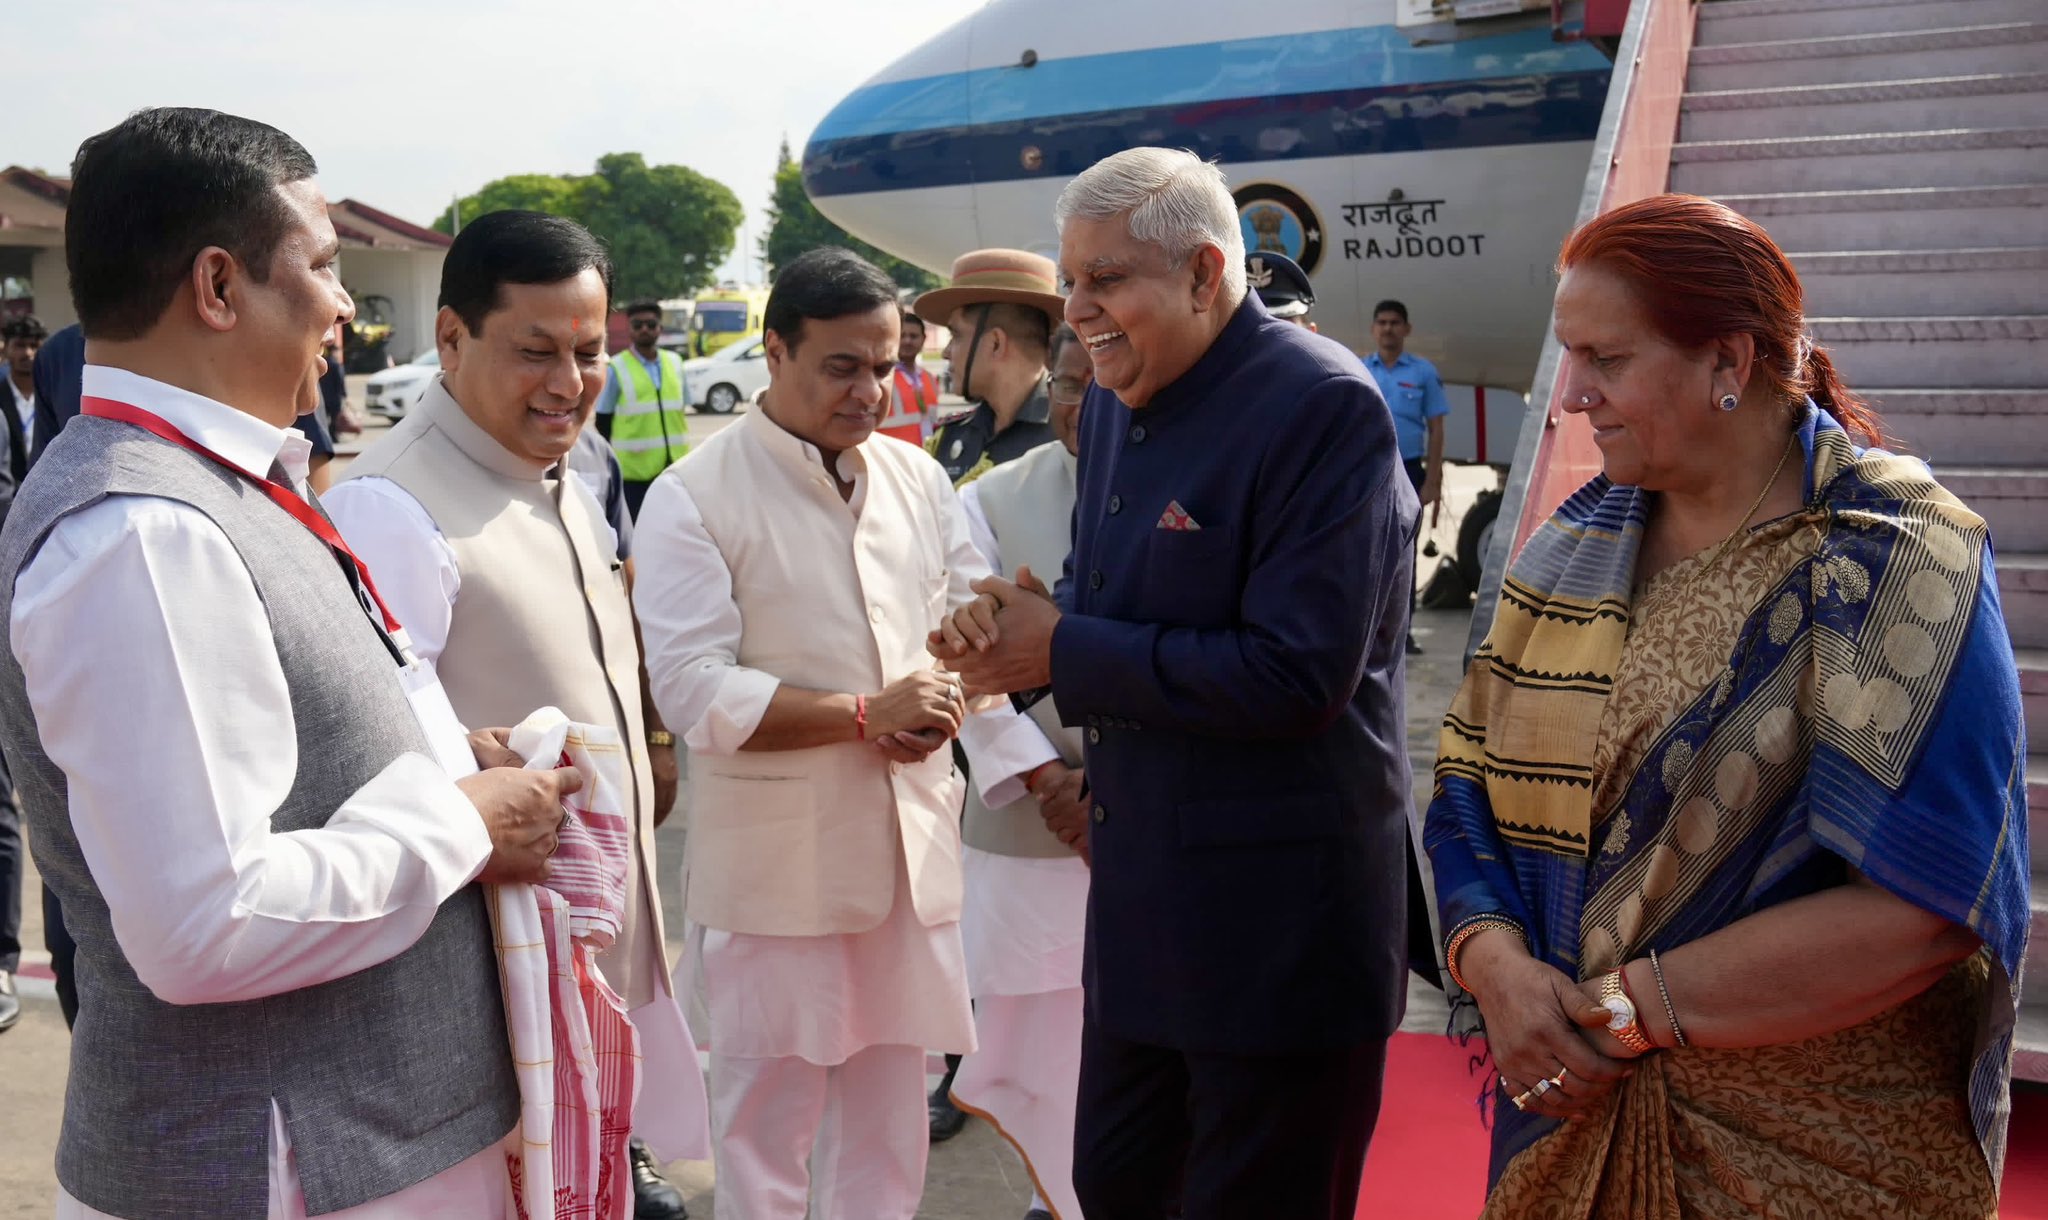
1428, 1158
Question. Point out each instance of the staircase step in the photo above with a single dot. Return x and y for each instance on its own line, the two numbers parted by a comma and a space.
1966, 427
2033, 664
1999, 352
1762, 20
2013, 500
1965, 50
2023, 594
2009, 214
2037, 800
1908, 282
1979, 156
1987, 99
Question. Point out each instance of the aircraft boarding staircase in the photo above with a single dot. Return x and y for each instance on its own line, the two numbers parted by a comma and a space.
1898, 150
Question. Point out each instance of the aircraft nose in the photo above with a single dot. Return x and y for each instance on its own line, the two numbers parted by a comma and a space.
909, 129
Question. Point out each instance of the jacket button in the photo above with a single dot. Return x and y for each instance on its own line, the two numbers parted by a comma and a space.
1116, 505
1095, 579
1094, 737
1101, 815
1137, 434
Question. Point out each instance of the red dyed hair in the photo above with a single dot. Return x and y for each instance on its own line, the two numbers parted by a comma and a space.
1704, 271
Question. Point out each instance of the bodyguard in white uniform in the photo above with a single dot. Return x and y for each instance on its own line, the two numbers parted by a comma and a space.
1026, 835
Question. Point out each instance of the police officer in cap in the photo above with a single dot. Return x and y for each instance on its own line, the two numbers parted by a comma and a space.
1001, 309
1282, 287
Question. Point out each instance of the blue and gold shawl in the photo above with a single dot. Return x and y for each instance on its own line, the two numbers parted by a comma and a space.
1869, 718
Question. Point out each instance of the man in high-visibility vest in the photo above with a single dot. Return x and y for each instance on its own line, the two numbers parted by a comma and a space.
643, 410
915, 402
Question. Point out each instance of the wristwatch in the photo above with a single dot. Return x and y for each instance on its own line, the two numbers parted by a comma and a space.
1621, 1020
660, 737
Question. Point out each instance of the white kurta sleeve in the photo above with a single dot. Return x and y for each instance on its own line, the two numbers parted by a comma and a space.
409, 559
158, 691
965, 562
979, 531
690, 627
1003, 745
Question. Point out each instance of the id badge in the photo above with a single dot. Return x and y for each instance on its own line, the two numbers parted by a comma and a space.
446, 737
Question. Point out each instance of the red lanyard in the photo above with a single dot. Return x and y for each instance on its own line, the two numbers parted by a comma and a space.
284, 497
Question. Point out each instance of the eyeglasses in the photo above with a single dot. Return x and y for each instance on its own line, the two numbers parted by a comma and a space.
1067, 391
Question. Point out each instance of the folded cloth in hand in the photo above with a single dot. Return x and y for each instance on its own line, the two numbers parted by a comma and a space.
576, 1055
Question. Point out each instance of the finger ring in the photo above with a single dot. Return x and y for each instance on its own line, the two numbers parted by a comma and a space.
1522, 1102
1541, 1087
1558, 1080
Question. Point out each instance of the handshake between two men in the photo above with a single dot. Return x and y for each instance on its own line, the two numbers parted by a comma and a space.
1001, 643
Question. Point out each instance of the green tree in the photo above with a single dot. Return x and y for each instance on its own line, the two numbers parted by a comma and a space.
555, 194
668, 227
795, 226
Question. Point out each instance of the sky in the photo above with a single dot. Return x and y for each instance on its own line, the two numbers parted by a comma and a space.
408, 103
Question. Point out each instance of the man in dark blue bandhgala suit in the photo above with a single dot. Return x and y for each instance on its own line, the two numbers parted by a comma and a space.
1229, 633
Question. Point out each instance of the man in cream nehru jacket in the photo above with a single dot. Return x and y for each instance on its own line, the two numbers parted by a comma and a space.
791, 568
500, 563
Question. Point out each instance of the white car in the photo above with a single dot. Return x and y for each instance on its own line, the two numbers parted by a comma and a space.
392, 391
721, 382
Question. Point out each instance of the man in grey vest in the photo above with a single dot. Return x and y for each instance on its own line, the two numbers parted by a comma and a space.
490, 548
1025, 835
236, 782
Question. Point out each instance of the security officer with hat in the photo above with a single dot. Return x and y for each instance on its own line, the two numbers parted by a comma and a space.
1282, 286
1001, 308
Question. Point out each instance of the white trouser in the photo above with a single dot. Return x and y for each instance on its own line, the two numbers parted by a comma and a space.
1024, 1078
848, 1141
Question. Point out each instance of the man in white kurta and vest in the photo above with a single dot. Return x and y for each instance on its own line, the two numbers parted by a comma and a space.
791, 568
499, 560
290, 996
644, 410
1025, 832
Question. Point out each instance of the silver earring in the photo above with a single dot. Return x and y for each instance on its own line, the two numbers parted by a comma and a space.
1727, 402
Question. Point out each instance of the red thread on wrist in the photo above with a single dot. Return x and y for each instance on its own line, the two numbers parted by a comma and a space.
1031, 780
860, 716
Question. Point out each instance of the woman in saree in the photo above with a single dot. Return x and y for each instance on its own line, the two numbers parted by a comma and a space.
1730, 827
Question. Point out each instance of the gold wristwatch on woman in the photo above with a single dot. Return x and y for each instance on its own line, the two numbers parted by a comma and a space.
1622, 1020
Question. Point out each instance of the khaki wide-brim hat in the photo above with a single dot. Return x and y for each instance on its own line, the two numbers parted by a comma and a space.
983, 277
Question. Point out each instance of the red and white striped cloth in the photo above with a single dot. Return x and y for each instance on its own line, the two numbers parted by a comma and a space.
576, 1055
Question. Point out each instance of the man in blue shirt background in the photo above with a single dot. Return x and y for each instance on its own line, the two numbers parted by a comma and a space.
1415, 394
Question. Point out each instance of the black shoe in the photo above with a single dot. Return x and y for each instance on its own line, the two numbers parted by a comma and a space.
947, 1119
654, 1198
1414, 649
10, 1004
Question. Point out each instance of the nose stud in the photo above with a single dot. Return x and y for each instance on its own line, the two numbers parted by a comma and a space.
1585, 400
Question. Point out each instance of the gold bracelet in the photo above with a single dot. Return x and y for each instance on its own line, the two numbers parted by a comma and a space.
661, 737
1467, 931
1670, 1013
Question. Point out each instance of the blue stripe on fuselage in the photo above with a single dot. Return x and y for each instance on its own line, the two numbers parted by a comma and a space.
1473, 113
1328, 61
